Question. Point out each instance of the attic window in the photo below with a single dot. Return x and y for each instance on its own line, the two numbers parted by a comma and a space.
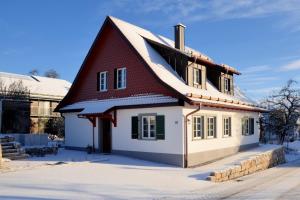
197, 76
121, 78
226, 85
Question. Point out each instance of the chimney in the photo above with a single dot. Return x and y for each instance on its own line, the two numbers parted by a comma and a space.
179, 36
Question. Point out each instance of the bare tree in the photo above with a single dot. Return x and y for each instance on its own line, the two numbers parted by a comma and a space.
284, 109
15, 90
51, 74
34, 72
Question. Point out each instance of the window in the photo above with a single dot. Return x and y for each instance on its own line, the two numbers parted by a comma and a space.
103, 81
227, 126
148, 127
226, 84
198, 127
211, 127
197, 76
44, 108
121, 78
247, 126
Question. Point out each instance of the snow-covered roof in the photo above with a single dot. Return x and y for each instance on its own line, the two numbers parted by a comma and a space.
137, 37
39, 87
101, 106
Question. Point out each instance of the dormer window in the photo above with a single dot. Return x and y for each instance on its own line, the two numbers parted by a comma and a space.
197, 76
226, 85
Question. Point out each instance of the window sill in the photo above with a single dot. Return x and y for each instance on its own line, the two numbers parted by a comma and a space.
248, 135
209, 138
197, 138
203, 139
148, 139
103, 90
123, 88
226, 136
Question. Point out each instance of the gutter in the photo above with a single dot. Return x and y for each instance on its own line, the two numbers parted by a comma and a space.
185, 164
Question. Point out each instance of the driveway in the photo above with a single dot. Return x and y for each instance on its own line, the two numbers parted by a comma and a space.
76, 175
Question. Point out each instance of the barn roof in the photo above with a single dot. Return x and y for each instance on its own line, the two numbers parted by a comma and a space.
39, 87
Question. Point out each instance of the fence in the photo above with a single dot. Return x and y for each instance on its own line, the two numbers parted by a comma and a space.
30, 139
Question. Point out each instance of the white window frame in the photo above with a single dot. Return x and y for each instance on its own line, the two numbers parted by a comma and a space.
196, 135
148, 118
226, 84
123, 80
196, 72
211, 127
246, 126
226, 126
103, 81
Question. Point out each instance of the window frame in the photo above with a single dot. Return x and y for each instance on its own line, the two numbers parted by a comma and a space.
195, 72
226, 84
123, 80
248, 128
202, 122
214, 127
148, 117
105, 73
229, 129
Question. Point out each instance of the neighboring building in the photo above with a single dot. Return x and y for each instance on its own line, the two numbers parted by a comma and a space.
139, 94
33, 111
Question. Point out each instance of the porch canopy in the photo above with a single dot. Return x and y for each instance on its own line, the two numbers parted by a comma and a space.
102, 108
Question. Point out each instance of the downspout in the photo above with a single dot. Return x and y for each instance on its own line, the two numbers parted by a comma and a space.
185, 136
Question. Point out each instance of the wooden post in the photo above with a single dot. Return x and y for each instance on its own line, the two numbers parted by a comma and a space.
93, 138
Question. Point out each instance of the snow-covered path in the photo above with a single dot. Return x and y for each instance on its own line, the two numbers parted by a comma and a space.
76, 175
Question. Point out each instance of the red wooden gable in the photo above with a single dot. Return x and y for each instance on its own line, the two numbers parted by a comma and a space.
112, 50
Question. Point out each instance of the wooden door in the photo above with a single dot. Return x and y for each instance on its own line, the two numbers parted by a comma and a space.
106, 131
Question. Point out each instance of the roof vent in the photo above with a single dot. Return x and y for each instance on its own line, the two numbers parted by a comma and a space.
179, 36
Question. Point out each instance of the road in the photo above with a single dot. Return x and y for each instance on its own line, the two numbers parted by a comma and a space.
278, 183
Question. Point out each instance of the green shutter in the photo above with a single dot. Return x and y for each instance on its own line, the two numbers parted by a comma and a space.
98, 81
202, 125
215, 127
231, 86
134, 127
229, 126
221, 88
251, 121
203, 74
160, 127
115, 78
243, 126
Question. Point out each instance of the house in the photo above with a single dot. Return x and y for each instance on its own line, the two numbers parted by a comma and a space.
142, 95
34, 109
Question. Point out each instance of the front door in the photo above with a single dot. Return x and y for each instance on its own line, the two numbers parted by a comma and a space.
106, 137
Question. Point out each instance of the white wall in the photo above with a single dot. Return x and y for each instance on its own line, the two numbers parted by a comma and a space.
236, 139
121, 135
0, 115
79, 131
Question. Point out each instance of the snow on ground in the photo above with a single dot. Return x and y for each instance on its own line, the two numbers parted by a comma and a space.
293, 152
77, 175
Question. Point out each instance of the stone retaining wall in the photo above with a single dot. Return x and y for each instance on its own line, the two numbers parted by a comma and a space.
253, 164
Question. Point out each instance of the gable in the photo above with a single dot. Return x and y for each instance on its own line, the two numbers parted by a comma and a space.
111, 51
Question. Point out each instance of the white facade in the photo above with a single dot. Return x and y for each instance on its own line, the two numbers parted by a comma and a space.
172, 144
79, 133
220, 142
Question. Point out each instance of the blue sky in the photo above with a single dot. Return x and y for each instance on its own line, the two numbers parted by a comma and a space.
259, 38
